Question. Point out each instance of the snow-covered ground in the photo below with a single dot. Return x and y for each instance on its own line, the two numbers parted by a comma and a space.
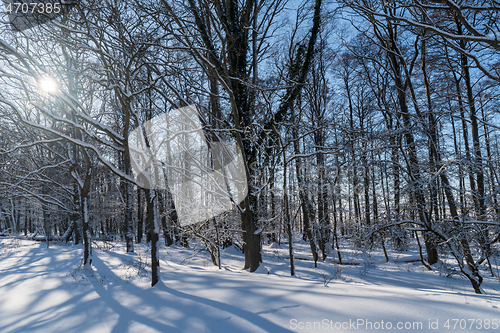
44, 290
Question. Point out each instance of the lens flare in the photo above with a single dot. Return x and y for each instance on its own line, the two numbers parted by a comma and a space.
48, 85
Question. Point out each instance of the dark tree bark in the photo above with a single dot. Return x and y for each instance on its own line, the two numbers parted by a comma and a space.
153, 227
140, 216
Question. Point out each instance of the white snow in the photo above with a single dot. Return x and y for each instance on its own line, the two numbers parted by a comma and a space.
44, 290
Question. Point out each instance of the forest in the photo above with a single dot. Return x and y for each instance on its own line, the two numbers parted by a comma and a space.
361, 125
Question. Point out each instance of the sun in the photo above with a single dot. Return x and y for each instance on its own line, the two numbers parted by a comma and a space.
48, 85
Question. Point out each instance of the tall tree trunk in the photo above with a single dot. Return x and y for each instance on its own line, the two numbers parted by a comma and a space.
140, 215
461, 188
465, 133
394, 55
353, 175
272, 203
233, 71
478, 163
153, 227
46, 225
323, 216
304, 199
84, 192
163, 215
436, 155
74, 214
493, 186
129, 226
288, 220
87, 252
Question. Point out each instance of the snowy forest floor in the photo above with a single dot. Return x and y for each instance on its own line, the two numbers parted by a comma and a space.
46, 290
